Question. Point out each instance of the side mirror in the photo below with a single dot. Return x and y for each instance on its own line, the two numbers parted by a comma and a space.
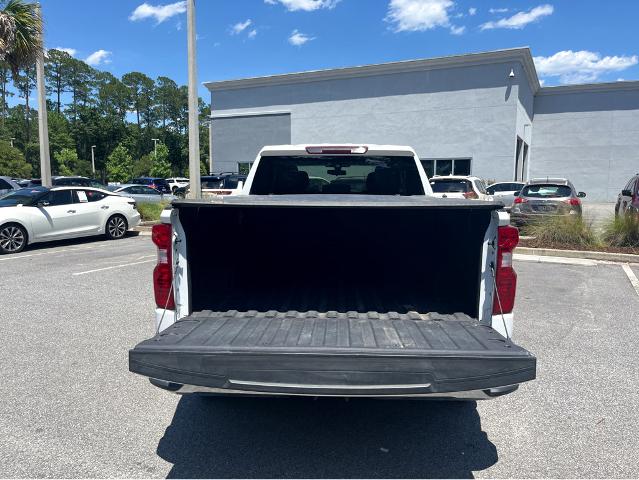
43, 203
626, 193
581, 194
516, 194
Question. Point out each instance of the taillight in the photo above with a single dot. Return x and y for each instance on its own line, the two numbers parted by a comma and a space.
520, 200
573, 202
336, 149
471, 195
163, 271
505, 276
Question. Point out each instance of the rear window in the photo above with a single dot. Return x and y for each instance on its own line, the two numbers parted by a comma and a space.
546, 191
450, 186
343, 174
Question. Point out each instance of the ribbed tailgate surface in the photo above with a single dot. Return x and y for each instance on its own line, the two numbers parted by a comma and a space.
335, 353
312, 331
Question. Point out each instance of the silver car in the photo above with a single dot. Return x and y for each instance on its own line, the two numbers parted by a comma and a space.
144, 194
545, 197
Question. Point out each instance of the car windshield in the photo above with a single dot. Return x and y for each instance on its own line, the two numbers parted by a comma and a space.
450, 186
344, 174
24, 196
546, 191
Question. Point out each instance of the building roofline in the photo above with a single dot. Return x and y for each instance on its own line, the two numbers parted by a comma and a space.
590, 87
521, 55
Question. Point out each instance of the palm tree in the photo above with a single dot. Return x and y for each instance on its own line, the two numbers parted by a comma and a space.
20, 33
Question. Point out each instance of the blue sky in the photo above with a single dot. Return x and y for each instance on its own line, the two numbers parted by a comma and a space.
573, 41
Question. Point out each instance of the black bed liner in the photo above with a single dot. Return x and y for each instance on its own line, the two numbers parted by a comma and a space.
333, 353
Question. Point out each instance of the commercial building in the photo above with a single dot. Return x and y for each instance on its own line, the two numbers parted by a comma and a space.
484, 114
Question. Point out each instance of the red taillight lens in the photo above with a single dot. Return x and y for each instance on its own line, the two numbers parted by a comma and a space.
574, 202
471, 195
505, 276
163, 271
520, 200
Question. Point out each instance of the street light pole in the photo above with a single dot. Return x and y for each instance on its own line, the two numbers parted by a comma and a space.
155, 147
194, 127
93, 158
43, 128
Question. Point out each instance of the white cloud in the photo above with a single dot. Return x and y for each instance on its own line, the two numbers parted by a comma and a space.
520, 19
498, 10
240, 27
159, 12
457, 30
252, 34
305, 5
298, 38
70, 51
419, 15
99, 57
472, 11
582, 66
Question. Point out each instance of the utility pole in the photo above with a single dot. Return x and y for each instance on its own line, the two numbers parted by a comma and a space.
194, 124
43, 128
93, 158
155, 147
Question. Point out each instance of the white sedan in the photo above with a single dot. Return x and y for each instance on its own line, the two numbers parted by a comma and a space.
40, 214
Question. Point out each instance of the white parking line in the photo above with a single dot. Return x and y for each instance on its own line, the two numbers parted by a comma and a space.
631, 276
50, 252
113, 266
583, 262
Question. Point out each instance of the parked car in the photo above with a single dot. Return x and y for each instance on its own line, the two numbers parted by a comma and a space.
143, 194
7, 184
177, 182
63, 181
40, 214
306, 300
217, 184
545, 197
505, 192
457, 186
628, 198
158, 183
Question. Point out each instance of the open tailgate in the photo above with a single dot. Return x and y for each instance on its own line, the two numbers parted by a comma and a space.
311, 353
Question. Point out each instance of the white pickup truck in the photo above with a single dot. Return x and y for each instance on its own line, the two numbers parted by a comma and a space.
335, 273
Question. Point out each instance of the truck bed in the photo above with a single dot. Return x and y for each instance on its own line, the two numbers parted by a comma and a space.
351, 353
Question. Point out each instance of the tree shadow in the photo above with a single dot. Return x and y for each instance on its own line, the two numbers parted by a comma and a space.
310, 438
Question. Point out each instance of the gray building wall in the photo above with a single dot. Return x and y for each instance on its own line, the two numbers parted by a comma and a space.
468, 112
588, 134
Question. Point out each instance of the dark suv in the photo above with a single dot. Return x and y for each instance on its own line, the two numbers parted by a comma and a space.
545, 197
159, 184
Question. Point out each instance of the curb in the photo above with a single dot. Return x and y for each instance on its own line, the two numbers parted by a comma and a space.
586, 254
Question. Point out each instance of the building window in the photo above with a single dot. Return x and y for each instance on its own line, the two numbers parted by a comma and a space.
521, 160
447, 166
244, 167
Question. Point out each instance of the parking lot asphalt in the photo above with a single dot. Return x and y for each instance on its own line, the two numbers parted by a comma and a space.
70, 408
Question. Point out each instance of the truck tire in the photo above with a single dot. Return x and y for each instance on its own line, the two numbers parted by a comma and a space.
13, 238
116, 227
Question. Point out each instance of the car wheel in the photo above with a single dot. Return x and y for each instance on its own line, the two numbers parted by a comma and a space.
13, 238
116, 227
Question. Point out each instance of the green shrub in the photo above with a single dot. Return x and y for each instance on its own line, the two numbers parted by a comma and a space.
622, 231
150, 212
571, 231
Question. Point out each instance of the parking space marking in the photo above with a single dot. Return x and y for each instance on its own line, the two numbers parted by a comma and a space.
582, 262
53, 250
631, 276
113, 266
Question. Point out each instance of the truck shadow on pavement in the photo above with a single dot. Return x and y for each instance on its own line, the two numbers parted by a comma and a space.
308, 438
